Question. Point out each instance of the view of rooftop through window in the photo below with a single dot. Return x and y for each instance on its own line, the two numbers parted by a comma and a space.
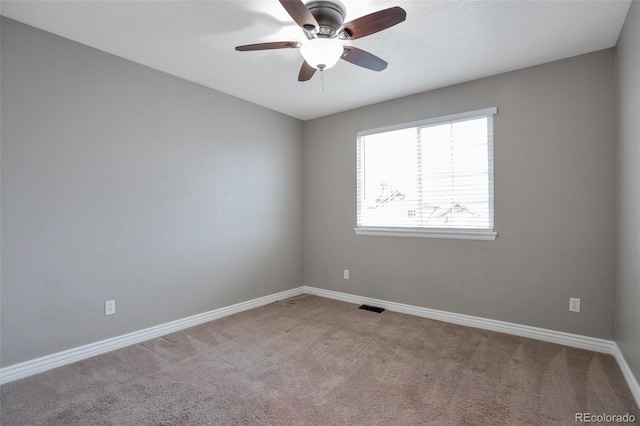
429, 176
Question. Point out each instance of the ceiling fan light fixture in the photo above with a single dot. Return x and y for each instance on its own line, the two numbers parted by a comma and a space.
322, 53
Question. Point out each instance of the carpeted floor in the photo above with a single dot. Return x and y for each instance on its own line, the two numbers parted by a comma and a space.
315, 361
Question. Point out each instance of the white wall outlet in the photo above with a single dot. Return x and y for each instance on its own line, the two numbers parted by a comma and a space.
110, 307
346, 274
574, 304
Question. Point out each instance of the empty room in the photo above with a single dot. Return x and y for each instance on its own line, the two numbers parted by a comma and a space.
319, 213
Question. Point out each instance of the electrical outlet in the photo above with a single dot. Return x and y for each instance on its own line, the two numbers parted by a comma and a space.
110, 307
574, 304
346, 274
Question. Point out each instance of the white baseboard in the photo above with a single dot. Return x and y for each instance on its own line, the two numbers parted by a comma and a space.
567, 339
627, 373
39, 365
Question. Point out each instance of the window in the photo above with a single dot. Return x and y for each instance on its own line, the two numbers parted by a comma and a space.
432, 178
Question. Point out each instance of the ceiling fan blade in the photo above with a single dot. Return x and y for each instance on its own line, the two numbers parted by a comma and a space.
363, 59
306, 72
267, 46
372, 23
299, 12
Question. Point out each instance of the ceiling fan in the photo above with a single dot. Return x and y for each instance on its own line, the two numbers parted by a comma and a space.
323, 25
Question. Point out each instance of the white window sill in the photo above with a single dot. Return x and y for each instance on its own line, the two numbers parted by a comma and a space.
452, 234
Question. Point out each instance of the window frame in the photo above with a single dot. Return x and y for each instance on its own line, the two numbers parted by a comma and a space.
423, 232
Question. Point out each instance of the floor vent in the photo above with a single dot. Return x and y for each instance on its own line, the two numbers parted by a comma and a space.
371, 308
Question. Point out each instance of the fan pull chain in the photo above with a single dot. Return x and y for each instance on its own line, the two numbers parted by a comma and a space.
322, 78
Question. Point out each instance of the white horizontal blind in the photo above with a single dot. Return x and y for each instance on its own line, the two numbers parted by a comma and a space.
435, 175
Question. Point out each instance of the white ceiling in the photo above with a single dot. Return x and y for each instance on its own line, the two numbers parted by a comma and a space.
441, 43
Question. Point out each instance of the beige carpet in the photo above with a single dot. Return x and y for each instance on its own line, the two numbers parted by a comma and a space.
315, 361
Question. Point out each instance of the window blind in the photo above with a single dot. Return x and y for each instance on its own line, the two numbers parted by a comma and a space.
435, 174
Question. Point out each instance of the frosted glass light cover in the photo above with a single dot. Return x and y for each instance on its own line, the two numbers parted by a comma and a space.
322, 53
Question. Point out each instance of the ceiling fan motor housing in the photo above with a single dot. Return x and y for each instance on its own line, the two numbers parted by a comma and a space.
330, 16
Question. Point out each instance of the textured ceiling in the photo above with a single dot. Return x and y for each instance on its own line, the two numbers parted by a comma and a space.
441, 43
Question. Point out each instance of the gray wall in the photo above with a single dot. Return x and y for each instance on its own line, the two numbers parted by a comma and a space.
555, 203
628, 279
122, 182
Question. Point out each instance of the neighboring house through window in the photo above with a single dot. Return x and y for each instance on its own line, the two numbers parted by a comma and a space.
432, 178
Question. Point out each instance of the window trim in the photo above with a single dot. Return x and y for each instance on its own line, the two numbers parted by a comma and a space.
450, 234
443, 233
